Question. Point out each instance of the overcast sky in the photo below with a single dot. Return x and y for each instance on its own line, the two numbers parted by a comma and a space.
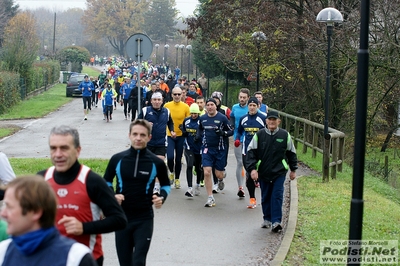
186, 7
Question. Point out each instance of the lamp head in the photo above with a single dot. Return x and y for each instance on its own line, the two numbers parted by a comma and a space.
329, 15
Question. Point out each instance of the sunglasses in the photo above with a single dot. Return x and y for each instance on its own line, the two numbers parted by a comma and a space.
177, 94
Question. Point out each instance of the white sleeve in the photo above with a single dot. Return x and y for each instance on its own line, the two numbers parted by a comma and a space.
76, 254
3, 249
6, 172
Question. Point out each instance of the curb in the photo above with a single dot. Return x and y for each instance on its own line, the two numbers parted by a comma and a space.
290, 227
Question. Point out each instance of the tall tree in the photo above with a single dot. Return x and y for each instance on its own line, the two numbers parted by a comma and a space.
8, 9
161, 19
293, 58
20, 48
116, 20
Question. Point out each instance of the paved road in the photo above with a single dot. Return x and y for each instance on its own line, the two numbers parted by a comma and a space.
185, 232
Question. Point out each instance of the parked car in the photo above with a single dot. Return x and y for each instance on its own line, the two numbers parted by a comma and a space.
72, 84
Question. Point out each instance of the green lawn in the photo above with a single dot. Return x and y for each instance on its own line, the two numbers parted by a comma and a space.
324, 210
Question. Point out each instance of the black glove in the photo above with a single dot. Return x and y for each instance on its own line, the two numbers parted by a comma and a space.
180, 127
196, 138
220, 132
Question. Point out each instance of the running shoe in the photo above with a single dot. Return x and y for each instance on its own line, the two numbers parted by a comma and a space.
197, 191
215, 188
171, 178
85, 118
276, 227
177, 184
221, 184
202, 183
241, 193
253, 203
266, 224
210, 202
189, 193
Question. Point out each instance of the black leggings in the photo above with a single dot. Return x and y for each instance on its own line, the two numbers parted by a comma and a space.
136, 236
109, 111
95, 98
193, 159
127, 106
250, 184
134, 108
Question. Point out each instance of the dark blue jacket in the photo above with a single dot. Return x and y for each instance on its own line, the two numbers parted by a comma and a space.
53, 250
249, 125
189, 129
161, 119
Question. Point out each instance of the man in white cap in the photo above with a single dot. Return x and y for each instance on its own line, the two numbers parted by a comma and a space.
160, 119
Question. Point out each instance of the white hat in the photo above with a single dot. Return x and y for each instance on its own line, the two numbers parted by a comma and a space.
156, 95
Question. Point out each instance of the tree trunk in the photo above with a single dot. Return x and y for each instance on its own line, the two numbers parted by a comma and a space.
387, 139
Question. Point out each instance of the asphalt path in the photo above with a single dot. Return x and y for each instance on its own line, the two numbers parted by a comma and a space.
185, 232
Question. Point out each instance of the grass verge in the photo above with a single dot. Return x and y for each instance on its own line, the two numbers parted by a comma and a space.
24, 166
39, 105
324, 210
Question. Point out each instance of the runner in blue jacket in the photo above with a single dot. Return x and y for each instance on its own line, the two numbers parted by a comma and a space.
87, 87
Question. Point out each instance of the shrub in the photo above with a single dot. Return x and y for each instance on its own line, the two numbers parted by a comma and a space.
9, 90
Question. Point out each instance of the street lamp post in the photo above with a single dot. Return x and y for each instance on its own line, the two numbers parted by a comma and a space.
156, 45
166, 46
182, 46
329, 16
176, 47
188, 48
258, 37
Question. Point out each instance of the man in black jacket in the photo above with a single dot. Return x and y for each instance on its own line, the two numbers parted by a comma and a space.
136, 170
269, 156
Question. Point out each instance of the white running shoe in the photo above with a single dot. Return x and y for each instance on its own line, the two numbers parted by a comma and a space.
215, 188
210, 202
189, 193
197, 191
266, 224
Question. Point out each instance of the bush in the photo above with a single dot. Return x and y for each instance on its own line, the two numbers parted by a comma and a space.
41, 74
9, 90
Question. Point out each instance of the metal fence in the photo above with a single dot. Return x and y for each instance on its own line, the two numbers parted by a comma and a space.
311, 135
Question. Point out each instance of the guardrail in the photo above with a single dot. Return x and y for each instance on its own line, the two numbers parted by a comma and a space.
311, 135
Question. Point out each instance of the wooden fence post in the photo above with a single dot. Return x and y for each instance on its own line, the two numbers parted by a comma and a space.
325, 158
